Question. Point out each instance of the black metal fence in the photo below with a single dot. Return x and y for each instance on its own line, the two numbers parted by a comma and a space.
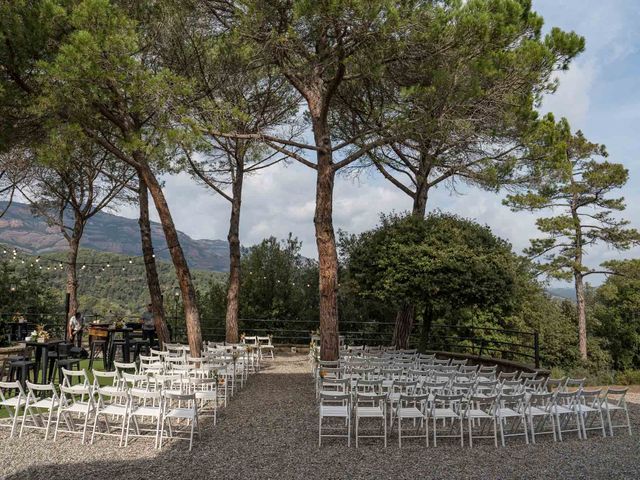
515, 345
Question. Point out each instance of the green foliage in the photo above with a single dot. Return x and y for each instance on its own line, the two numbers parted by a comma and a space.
277, 282
565, 175
616, 308
101, 292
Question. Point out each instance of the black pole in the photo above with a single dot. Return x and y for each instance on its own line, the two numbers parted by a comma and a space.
536, 348
67, 302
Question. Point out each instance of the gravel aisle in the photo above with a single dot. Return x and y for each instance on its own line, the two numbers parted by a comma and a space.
269, 430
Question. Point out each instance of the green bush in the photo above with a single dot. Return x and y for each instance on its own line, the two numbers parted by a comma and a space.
628, 377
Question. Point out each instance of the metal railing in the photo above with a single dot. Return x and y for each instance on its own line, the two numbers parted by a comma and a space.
506, 344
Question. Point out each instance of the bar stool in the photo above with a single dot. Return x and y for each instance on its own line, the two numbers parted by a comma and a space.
101, 345
19, 370
115, 344
63, 361
138, 345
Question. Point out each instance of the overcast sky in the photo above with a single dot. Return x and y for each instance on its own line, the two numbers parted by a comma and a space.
599, 95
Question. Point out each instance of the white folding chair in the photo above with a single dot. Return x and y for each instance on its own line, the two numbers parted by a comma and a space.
413, 407
111, 404
73, 404
265, 346
11, 403
589, 406
144, 404
539, 410
447, 407
179, 406
335, 405
206, 392
511, 416
40, 397
371, 405
614, 402
480, 413
565, 413
107, 381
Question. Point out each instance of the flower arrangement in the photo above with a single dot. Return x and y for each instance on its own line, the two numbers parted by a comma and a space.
39, 334
242, 337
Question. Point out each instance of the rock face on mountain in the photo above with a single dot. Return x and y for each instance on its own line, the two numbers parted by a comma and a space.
107, 233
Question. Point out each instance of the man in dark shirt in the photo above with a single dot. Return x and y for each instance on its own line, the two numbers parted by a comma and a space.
148, 325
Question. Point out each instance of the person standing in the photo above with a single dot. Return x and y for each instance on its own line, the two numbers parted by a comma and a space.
148, 325
76, 328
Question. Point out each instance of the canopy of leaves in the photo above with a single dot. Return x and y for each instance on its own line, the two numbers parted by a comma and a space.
442, 258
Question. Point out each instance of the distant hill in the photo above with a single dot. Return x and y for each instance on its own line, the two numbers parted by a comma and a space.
120, 287
106, 233
563, 292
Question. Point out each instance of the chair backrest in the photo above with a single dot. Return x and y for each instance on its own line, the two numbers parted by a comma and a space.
541, 400
344, 398
38, 389
591, 397
99, 374
508, 375
534, 385
380, 399
515, 401
142, 396
527, 376
134, 380
574, 383
460, 362
616, 396
441, 361
131, 367
368, 386
342, 385
487, 387
4, 386
75, 376
553, 384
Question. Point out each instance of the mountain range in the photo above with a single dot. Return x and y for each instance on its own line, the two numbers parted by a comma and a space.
105, 232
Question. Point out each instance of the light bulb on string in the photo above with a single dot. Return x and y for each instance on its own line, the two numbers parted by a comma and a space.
130, 261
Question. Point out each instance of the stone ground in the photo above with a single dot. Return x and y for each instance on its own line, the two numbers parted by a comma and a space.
269, 430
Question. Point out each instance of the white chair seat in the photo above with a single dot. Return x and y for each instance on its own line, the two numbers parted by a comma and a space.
409, 412
47, 403
114, 410
536, 411
13, 402
507, 413
181, 413
444, 413
147, 411
559, 410
369, 412
612, 406
334, 411
478, 413
77, 407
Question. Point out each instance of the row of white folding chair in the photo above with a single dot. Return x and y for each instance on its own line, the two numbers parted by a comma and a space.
566, 411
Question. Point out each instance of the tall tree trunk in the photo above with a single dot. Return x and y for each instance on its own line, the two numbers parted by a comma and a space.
72, 274
155, 292
406, 314
233, 237
427, 323
582, 315
577, 276
192, 317
404, 325
326, 242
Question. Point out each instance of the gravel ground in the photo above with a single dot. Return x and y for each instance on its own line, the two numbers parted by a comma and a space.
269, 430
